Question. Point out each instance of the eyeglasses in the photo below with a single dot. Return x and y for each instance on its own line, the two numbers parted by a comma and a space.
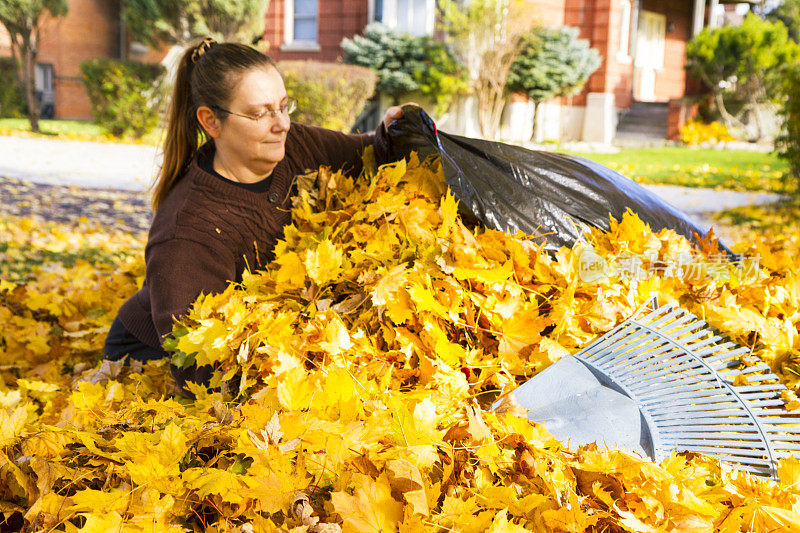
286, 109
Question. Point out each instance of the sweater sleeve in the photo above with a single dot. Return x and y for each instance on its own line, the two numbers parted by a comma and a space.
177, 271
341, 150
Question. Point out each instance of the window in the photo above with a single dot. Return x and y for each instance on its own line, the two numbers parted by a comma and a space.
407, 16
301, 22
43, 79
305, 20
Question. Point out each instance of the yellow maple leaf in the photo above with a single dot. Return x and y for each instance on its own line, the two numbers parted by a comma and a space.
448, 209
292, 271
371, 508
12, 422
789, 473
148, 460
501, 524
91, 499
214, 481
324, 263
486, 275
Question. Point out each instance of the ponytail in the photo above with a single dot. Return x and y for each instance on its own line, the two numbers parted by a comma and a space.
207, 75
182, 131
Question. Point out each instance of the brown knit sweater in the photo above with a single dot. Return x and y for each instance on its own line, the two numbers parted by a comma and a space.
207, 230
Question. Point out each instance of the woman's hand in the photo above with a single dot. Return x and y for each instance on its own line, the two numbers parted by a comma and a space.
395, 112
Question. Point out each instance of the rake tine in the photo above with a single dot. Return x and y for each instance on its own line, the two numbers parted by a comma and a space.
788, 447
644, 361
655, 341
741, 453
760, 388
704, 435
699, 402
715, 421
665, 369
691, 443
754, 461
685, 414
602, 350
680, 335
694, 346
611, 336
682, 389
725, 355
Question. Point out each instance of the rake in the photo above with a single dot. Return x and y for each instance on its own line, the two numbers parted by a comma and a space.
666, 381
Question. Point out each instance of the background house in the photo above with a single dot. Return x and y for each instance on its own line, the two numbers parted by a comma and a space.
642, 44
91, 28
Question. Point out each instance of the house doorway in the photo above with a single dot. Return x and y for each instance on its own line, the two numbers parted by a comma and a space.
650, 40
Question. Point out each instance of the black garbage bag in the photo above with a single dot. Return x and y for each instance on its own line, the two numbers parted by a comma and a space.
553, 196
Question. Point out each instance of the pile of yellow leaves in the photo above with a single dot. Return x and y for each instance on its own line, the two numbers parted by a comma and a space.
355, 381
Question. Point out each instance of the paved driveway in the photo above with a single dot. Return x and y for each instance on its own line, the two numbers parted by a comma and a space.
132, 168
85, 164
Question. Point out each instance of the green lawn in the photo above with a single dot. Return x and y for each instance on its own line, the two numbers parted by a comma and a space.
675, 165
72, 130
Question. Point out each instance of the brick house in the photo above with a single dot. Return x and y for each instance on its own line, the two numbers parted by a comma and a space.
642, 44
90, 29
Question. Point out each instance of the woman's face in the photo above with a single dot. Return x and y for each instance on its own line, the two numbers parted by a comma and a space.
257, 144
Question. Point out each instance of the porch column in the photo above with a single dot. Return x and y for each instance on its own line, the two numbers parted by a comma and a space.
390, 13
600, 118
713, 19
698, 19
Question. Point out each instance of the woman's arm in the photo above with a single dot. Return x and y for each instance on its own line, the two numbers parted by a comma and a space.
315, 147
177, 271
341, 150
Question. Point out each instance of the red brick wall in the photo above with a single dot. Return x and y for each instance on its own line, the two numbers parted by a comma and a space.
599, 21
90, 29
336, 19
671, 82
592, 17
619, 77
549, 13
680, 111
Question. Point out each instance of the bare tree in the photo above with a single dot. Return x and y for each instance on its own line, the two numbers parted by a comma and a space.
486, 35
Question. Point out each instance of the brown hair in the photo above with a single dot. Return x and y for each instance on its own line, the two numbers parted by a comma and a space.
207, 74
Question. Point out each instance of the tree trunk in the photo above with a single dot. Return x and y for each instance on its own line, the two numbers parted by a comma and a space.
490, 108
498, 104
484, 112
29, 80
535, 120
731, 122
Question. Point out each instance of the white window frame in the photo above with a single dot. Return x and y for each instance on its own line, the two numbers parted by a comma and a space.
289, 42
626, 23
371, 11
44, 77
389, 14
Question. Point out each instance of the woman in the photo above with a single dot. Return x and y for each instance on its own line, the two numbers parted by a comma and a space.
221, 207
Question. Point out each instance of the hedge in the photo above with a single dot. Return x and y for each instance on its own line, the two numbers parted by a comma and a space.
125, 96
330, 95
12, 101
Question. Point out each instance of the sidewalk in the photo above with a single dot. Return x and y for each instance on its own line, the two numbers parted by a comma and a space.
81, 163
132, 168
